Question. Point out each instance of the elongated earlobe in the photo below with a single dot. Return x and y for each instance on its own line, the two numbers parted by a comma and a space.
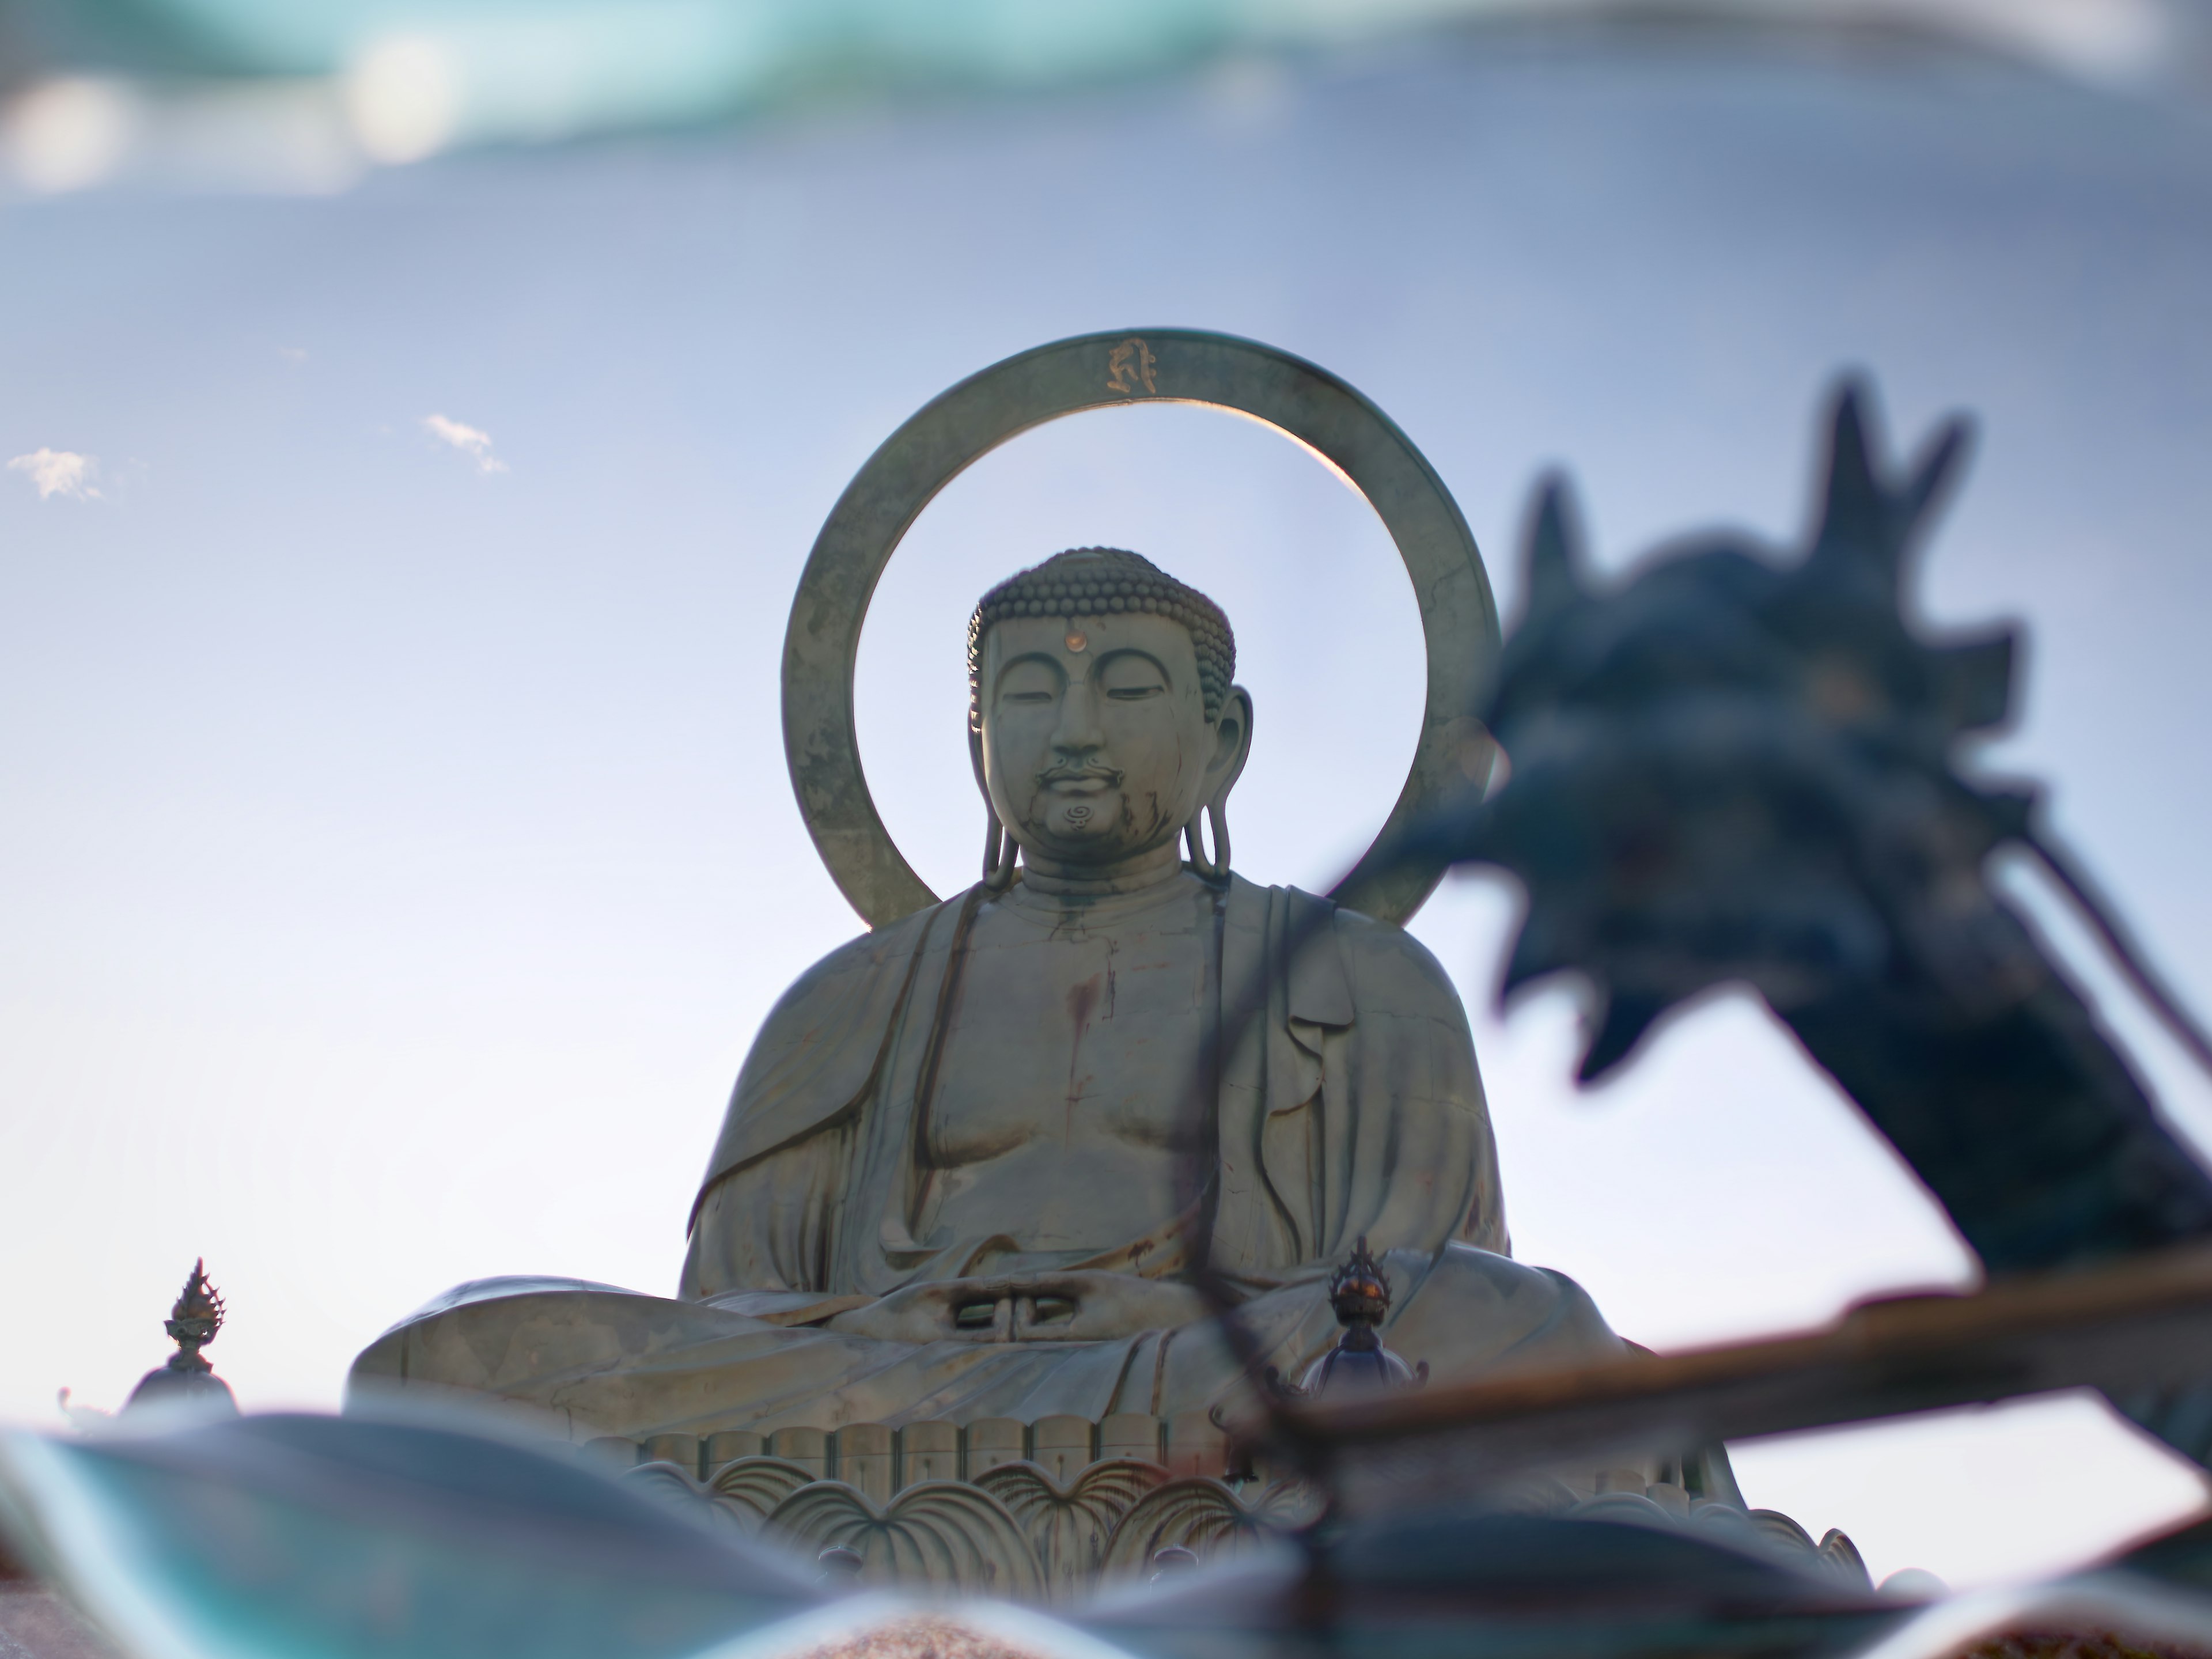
1215, 868
998, 855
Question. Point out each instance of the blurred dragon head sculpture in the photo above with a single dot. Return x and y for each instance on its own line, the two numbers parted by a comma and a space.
1737, 767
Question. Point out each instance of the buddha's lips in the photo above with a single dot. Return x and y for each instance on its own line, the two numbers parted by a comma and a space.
1086, 779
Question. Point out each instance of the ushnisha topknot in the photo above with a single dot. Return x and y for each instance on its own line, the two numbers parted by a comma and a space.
1098, 581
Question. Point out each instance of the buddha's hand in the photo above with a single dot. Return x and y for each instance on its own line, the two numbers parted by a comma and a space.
1082, 1306
973, 1310
1088, 1306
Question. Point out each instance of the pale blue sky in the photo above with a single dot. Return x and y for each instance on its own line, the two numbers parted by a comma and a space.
396, 857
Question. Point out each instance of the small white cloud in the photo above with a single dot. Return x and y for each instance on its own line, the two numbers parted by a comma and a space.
58, 472
292, 354
471, 442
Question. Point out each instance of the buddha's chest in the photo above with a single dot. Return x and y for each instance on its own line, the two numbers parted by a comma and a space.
1082, 1038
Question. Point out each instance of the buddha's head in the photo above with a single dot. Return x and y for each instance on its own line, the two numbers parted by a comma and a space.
1102, 708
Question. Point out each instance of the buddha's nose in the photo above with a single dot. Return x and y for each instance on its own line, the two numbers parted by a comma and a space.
1079, 733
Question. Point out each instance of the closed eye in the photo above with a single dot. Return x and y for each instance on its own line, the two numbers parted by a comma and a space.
1129, 676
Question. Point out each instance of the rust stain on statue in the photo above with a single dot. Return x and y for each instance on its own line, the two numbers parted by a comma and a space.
1082, 1002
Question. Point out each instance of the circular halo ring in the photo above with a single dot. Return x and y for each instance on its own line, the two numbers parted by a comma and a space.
1459, 616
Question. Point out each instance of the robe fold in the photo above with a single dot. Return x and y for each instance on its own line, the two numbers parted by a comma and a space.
1348, 1105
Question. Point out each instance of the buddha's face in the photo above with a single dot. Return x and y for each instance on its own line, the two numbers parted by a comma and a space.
1095, 746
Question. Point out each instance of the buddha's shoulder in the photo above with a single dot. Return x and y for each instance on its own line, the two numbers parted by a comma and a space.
1381, 958
864, 966
1382, 965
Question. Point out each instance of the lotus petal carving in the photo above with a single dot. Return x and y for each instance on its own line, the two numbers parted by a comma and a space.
1841, 1558
1206, 1517
944, 1533
1071, 1527
668, 1483
747, 1489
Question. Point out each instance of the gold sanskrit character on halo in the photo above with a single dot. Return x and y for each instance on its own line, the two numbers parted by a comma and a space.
1129, 366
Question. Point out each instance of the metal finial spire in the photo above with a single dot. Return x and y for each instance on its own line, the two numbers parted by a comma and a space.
193, 1323
1359, 1291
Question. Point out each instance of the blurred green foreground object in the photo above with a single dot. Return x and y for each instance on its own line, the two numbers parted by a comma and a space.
280, 1537
401, 80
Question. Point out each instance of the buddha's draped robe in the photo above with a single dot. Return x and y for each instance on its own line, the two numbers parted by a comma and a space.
1348, 1105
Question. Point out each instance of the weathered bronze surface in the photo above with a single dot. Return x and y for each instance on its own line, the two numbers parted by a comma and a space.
976, 1158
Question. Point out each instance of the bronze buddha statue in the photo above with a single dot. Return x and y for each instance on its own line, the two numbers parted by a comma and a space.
976, 1157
